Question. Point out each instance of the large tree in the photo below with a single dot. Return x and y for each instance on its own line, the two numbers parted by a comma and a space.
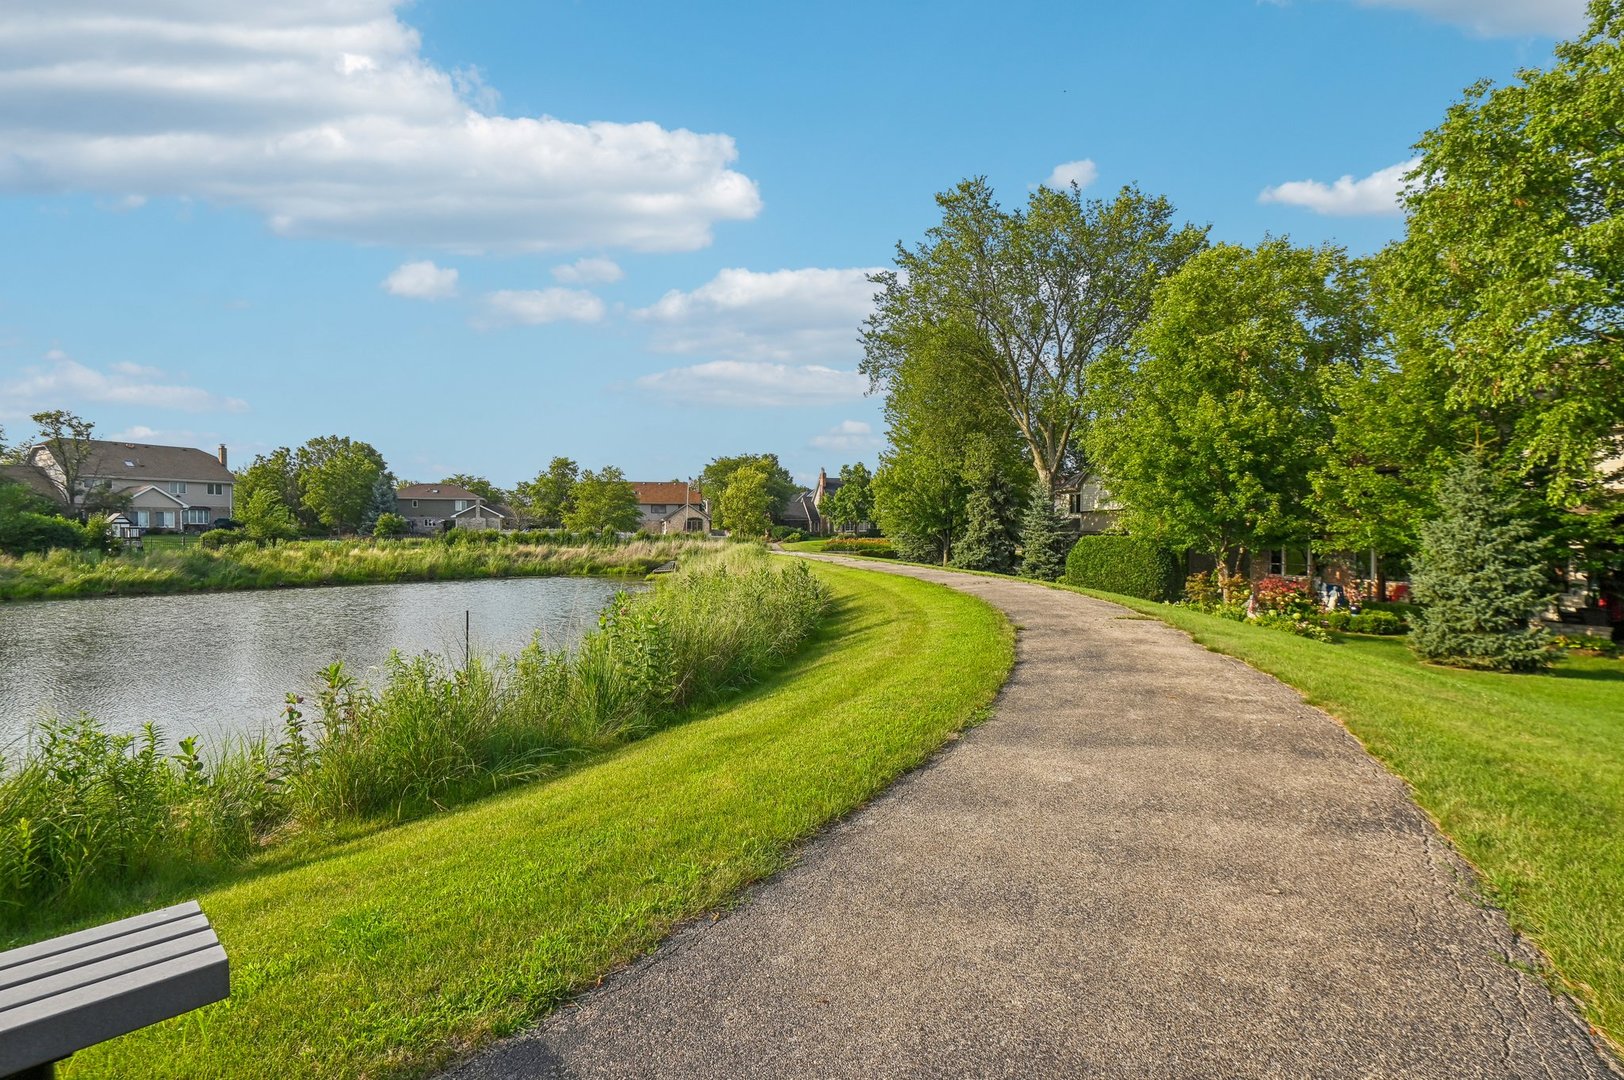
545, 500
1034, 298
265, 517
68, 437
781, 486
1512, 266
604, 502
1209, 436
337, 476
275, 472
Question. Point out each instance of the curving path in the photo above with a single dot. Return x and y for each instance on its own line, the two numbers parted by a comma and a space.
1152, 861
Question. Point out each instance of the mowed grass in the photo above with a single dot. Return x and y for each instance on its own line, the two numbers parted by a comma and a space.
392, 954
1524, 772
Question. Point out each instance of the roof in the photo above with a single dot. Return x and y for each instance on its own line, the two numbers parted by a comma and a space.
30, 477
691, 510
657, 493
109, 460
481, 510
434, 491
802, 510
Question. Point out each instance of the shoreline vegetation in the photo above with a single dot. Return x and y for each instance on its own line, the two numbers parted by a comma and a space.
65, 574
389, 955
91, 820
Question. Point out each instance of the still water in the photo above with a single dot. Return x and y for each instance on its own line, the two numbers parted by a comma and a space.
222, 663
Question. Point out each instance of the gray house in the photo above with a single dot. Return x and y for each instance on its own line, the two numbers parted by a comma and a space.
170, 488
427, 508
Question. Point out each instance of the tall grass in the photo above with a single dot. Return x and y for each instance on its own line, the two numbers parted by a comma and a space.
83, 808
63, 573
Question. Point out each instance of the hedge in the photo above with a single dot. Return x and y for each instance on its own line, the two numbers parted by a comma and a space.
1125, 564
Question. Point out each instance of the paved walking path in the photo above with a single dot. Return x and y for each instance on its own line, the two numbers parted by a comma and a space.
1152, 862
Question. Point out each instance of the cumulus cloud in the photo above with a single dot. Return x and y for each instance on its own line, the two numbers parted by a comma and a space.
1498, 18
422, 281
324, 116
532, 307
780, 316
589, 272
848, 435
1082, 173
62, 380
754, 384
1374, 194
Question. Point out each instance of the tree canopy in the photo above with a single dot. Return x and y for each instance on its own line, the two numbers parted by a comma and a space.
781, 486
1210, 433
336, 477
546, 499
853, 501
745, 508
1031, 299
604, 502
1512, 267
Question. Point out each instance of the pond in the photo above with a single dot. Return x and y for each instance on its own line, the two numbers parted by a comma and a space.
217, 664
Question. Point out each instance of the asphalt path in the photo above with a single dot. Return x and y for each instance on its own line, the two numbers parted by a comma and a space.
1153, 861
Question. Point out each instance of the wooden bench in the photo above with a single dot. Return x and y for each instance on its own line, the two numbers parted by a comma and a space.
74, 991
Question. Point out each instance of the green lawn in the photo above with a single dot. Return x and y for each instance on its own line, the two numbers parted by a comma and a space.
1524, 772
390, 954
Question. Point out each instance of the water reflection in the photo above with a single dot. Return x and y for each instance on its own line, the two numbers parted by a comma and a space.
221, 663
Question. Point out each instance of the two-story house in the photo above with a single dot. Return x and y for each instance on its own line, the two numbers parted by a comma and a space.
168, 488
672, 506
428, 507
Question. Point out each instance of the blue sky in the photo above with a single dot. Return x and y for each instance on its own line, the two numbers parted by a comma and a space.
481, 233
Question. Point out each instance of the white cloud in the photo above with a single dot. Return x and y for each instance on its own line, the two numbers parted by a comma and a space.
324, 116
1374, 194
754, 383
848, 435
1499, 18
64, 382
589, 272
781, 316
422, 281
531, 307
1082, 173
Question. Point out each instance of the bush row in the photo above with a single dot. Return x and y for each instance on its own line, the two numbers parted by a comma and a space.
1124, 564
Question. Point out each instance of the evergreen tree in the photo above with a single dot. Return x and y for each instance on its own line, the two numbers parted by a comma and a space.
1480, 577
383, 501
1045, 541
992, 515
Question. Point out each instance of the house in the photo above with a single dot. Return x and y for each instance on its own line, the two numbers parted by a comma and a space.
802, 513
427, 508
827, 486
1085, 505
671, 506
168, 488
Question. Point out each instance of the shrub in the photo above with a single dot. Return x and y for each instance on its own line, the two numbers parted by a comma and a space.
1285, 596
1376, 622
1336, 620
878, 548
1131, 566
219, 538
390, 524
1293, 624
1480, 577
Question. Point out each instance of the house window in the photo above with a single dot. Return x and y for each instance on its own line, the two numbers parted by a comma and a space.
128, 464
143, 519
1074, 502
197, 515
414, 504
693, 524
217, 489
460, 505
163, 519
177, 487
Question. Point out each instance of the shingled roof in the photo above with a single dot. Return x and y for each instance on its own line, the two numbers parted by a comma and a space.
666, 493
109, 460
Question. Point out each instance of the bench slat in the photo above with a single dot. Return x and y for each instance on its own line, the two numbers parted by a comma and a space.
105, 949
54, 1027
87, 975
68, 942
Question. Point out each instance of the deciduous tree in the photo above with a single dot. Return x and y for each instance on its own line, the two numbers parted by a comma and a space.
853, 501
67, 437
604, 502
1512, 267
781, 486
1032, 298
337, 476
550, 496
745, 508
265, 517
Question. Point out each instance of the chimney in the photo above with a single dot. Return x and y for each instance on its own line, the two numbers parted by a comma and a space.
223, 454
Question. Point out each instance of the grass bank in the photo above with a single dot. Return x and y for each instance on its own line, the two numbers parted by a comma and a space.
64, 574
387, 957
1525, 773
